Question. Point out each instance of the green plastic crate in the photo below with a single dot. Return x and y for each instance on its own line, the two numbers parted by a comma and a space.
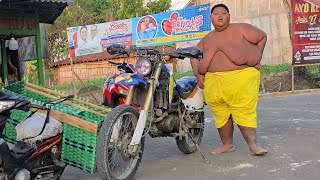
78, 147
10, 132
16, 117
80, 136
79, 155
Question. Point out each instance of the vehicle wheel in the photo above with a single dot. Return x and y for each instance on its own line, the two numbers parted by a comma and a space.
113, 159
186, 144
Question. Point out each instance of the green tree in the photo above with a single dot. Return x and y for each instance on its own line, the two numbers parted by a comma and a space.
155, 7
72, 16
135, 8
101, 10
130, 9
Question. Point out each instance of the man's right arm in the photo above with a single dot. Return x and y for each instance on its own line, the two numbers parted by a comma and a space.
194, 64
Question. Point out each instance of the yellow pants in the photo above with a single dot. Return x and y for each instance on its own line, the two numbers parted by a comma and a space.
233, 93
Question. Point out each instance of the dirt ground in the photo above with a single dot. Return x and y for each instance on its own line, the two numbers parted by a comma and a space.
283, 82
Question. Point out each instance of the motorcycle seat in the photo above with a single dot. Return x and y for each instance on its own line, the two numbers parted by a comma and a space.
186, 85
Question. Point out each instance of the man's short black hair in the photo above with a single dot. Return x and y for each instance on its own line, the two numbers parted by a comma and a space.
219, 5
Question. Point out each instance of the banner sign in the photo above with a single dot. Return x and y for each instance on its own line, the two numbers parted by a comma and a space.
305, 31
159, 29
96, 38
171, 27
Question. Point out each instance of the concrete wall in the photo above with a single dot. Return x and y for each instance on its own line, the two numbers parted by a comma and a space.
268, 15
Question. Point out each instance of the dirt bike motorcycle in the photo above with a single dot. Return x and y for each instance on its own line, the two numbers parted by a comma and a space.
169, 108
114, 94
24, 161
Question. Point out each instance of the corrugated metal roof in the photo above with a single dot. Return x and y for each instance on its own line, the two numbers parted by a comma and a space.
48, 10
69, 2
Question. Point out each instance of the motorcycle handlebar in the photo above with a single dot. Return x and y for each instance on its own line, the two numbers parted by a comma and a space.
181, 53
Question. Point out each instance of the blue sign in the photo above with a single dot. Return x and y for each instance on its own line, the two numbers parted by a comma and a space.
171, 27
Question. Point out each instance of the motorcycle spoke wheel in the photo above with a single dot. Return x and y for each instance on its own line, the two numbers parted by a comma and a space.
113, 158
120, 162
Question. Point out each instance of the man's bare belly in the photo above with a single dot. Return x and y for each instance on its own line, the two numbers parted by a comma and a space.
235, 58
222, 64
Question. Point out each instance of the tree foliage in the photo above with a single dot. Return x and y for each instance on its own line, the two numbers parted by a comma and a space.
130, 9
155, 7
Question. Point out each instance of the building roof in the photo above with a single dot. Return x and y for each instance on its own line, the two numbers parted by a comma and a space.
86, 58
49, 10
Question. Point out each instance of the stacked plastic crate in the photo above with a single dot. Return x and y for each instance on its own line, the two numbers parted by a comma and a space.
79, 145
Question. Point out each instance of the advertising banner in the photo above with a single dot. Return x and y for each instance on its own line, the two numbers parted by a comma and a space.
170, 27
159, 29
91, 39
305, 31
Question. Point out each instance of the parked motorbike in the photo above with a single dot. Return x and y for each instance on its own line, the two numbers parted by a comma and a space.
25, 161
114, 94
169, 108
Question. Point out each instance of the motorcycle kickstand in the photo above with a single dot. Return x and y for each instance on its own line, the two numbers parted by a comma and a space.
198, 148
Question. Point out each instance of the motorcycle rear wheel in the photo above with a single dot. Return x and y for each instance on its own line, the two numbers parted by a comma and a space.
114, 137
185, 144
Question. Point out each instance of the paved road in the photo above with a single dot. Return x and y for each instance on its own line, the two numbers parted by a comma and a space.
288, 126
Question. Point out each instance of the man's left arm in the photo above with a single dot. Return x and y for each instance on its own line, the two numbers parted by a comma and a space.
256, 37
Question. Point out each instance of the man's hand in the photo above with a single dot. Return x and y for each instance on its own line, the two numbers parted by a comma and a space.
200, 79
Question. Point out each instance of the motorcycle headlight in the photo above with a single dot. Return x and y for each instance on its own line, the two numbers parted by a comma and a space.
5, 105
143, 66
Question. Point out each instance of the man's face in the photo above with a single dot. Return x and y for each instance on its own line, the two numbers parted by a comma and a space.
143, 26
83, 34
220, 17
93, 31
150, 25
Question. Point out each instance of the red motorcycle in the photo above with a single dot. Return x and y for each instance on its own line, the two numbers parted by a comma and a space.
23, 161
114, 94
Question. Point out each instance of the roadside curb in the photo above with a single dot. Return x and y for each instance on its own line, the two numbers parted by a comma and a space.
290, 93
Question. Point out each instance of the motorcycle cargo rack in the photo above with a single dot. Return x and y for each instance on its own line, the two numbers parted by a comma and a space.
81, 118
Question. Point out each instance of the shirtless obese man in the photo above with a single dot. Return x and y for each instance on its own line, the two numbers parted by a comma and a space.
229, 48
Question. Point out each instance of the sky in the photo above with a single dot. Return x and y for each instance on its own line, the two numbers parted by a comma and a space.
178, 4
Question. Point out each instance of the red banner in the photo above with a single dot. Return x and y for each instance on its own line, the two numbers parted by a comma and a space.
305, 31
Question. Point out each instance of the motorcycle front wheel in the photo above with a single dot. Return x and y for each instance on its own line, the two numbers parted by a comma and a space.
114, 161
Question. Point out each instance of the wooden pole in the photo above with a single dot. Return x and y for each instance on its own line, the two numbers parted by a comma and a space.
65, 102
4, 62
40, 66
71, 120
292, 78
34, 86
73, 78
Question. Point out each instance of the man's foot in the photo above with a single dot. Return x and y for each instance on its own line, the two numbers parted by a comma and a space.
224, 149
258, 151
